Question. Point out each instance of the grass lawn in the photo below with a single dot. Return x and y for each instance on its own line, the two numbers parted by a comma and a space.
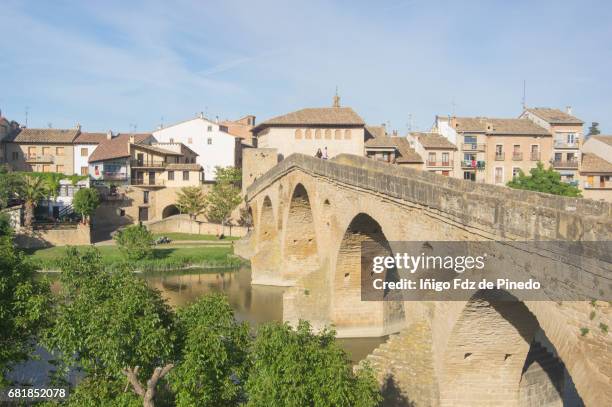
189, 236
164, 258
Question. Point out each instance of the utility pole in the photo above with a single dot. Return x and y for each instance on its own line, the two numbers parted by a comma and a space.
524, 100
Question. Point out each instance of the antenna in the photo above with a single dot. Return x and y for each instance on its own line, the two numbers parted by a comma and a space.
26, 115
409, 122
453, 105
524, 100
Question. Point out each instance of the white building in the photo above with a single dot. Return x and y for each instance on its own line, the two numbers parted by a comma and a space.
210, 140
84, 145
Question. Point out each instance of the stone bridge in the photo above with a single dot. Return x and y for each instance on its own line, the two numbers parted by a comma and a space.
310, 218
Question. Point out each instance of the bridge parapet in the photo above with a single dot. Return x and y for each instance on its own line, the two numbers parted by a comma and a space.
510, 213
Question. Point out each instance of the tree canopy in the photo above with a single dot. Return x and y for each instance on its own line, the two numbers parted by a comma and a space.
135, 242
224, 196
191, 200
544, 180
86, 201
593, 129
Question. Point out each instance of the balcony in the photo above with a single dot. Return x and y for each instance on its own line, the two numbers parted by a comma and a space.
565, 164
114, 176
473, 147
535, 156
148, 182
517, 156
566, 144
500, 156
39, 158
467, 164
448, 163
147, 164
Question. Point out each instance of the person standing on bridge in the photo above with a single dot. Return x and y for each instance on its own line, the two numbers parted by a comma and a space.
325, 156
319, 154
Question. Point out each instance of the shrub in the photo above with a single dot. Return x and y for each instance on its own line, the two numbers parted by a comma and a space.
135, 243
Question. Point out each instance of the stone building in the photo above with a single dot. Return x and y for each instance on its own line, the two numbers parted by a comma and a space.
42, 150
84, 146
333, 129
391, 149
566, 130
437, 152
596, 168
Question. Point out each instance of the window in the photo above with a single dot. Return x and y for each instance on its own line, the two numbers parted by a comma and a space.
170, 175
46, 168
59, 168
171, 140
59, 150
499, 175
445, 160
84, 152
209, 128
46, 151
515, 172
15, 156
31, 152
337, 134
327, 133
516, 148
318, 133
84, 170
209, 141
308, 134
185, 175
347, 134
571, 138
469, 139
145, 197
189, 140
469, 175
298, 134
558, 156
431, 159
446, 173
121, 212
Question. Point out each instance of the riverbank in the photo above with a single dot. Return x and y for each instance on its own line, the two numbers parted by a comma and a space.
164, 258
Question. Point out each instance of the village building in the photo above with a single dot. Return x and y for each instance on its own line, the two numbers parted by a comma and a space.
42, 150
390, 149
333, 130
596, 168
566, 131
214, 145
437, 152
84, 146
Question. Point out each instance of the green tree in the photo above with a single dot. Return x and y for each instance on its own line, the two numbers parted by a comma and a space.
32, 190
224, 196
213, 361
593, 129
10, 185
299, 368
191, 200
544, 180
135, 242
85, 202
24, 305
115, 328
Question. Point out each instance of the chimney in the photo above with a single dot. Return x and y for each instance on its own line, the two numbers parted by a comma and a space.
217, 119
109, 134
568, 110
201, 115
394, 133
78, 126
132, 141
336, 102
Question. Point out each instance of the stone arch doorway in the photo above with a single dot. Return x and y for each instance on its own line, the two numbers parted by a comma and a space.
170, 210
349, 313
497, 354
300, 255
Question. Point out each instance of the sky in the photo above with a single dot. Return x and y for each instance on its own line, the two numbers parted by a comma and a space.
133, 65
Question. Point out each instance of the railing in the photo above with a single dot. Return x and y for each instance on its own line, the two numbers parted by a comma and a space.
473, 147
448, 163
148, 164
500, 156
565, 164
535, 156
146, 182
566, 144
605, 185
37, 158
517, 156
114, 176
114, 197
55, 225
473, 164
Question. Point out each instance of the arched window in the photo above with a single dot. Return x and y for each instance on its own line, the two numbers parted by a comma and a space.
308, 133
298, 133
347, 134
337, 134
327, 133
318, 133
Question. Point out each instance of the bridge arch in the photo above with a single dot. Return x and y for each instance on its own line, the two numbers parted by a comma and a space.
300, 248
266, 224
170, 210
497, 354
373, 318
